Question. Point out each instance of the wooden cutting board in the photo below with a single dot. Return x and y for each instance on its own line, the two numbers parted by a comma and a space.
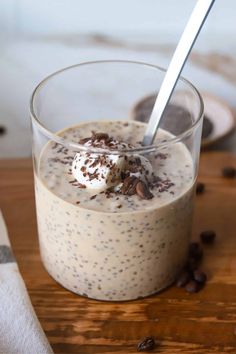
182, 323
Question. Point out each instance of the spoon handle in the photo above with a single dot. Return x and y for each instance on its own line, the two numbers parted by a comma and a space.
187, 40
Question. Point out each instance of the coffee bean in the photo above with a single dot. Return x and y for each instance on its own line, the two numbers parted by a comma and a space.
200, 189
143, 191
147, 344
129, 185
195, 251
192, 287
183, 279
2, 130
100, 136
208, 236
199, 276
229, 172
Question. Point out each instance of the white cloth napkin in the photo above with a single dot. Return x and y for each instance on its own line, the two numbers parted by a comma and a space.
20, 330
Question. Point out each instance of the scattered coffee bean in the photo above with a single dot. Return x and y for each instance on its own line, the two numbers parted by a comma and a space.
183, 279
195, 251
147, 344
208, 236
229, 172
199, 276
192, 287
200, 189
191, 277
2, 130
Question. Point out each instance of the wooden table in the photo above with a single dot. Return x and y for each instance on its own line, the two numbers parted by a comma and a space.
181, 322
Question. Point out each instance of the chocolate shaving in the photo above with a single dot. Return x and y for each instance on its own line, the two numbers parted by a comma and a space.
82, 186
161, 156
55, 146
56, 159
74, 181
163, 185
102, 140
95, 163
84, 141
62, 150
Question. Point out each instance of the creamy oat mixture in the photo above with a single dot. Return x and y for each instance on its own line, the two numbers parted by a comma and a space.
172, 166
107, 245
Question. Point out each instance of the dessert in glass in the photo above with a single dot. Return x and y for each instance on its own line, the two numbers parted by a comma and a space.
114, 217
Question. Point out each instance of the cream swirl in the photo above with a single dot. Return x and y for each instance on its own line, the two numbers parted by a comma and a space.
100, 171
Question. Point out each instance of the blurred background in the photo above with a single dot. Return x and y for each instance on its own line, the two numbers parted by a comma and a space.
40, 37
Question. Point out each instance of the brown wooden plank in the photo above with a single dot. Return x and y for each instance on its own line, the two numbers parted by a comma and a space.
182, 323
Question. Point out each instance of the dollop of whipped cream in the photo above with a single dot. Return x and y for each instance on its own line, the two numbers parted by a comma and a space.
103, 171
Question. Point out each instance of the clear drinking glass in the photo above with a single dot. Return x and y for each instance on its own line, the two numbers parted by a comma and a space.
106, 245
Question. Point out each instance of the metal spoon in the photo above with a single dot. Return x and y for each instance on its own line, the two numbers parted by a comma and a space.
187, 40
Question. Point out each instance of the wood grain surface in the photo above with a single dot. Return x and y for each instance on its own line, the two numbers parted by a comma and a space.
181, 323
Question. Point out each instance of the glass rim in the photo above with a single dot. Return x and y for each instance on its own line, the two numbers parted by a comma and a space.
143, 149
